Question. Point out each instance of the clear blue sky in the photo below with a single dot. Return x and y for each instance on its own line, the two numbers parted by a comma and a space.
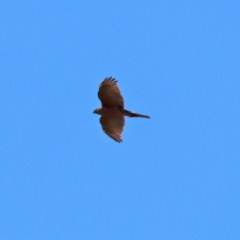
175, 176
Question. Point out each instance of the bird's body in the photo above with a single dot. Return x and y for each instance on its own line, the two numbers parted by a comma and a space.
112, 111
104, 111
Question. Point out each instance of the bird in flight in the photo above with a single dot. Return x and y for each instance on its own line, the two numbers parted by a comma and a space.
112, 111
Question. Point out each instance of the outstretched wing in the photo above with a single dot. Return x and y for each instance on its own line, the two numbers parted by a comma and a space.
113, 126
109, 93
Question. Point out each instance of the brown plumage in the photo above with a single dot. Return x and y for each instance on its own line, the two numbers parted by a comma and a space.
112, 111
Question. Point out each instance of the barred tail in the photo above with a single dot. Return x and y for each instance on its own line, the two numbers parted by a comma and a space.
133, 114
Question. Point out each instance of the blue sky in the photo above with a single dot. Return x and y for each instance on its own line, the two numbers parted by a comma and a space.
175, 176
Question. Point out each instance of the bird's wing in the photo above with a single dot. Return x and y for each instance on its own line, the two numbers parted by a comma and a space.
113, 126
109, 93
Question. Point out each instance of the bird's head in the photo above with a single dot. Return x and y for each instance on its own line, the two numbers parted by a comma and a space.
97, 111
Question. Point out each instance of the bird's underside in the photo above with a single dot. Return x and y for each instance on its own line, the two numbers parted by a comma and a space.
112, 111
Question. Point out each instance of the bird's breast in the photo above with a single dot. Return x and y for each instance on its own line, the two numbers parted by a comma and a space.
106, 111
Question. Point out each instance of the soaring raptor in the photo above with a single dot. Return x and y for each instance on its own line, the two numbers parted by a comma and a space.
112, 111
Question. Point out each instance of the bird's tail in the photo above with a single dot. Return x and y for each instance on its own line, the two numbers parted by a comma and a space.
133, 114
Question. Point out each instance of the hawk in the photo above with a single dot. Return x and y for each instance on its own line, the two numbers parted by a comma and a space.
112, 111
